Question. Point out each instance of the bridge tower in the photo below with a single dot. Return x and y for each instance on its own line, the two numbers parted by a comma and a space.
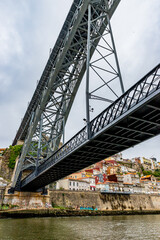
85, 44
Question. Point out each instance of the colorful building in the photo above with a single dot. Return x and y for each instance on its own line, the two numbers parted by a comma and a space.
2, 150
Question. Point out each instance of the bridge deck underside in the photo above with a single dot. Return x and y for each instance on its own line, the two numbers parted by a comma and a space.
131, 129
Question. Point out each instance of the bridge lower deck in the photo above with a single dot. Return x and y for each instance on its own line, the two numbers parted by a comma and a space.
135, 126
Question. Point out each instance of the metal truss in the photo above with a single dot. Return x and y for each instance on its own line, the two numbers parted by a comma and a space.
103, 66
55, 93
131, 119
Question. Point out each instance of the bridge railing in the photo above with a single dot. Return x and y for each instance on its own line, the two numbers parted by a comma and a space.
138, 92
67, 148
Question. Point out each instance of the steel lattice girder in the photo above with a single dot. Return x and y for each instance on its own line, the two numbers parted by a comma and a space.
56, 94
22, 131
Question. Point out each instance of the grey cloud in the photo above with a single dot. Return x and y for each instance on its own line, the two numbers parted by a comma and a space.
30, 28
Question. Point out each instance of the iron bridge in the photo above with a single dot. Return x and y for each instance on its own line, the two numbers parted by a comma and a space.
84, 44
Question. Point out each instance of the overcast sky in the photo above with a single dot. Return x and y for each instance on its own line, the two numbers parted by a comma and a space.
28, 29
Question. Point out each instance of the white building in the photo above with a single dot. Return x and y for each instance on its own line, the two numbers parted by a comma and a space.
3, 183
131, 178
91, 181
73, 185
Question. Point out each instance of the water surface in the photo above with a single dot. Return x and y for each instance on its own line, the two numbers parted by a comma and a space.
84, 228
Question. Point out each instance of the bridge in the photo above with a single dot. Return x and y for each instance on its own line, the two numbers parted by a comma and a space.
130, 118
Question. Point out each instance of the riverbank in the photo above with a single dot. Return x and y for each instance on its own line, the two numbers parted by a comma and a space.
83, 199
31, 213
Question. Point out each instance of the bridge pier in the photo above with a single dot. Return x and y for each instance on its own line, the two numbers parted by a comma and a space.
27, 199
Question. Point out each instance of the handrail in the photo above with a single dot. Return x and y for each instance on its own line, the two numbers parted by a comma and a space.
129, 99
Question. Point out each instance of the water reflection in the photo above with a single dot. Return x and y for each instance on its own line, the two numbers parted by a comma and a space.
83, 228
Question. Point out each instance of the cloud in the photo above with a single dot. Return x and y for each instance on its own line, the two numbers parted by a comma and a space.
10, 39
28, 29
137, 34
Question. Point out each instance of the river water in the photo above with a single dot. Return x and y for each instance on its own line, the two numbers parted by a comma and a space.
84, 228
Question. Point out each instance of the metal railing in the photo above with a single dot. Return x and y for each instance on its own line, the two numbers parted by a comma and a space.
74, 143
141, 90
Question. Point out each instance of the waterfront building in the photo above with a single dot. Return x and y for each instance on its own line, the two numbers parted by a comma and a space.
2, 150
102, 186
149, 178
128, 187
96, 171
147, 164
114, 169
73, 185
100, 178
77, 175
131, 178
112, 177
91, 181
120, 178
107, 186
124, 169
110, 161
88, 172
154, 162
150, 184
158, 186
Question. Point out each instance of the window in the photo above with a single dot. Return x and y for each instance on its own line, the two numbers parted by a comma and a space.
70, 183
73, 183
77, 184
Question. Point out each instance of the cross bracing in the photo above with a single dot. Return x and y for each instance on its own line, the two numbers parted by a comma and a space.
43, 123
131, 119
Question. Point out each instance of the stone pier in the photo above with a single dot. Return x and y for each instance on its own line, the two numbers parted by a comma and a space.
26, 199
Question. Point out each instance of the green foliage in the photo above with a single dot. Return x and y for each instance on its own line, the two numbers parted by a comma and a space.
147, 173
139, 174
4, 206
58, 207
8, 206
157, 173
14, 153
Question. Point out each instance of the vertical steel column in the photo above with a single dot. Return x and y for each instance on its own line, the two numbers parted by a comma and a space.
32, 116
114, 48
39, 143
87, 71
64, 111
115, 54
